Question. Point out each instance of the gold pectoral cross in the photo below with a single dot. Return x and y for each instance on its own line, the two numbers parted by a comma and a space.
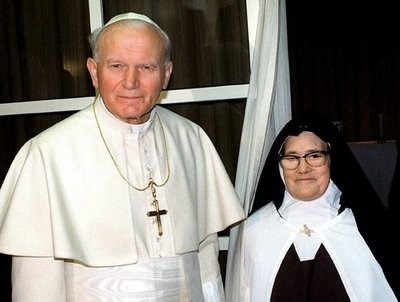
156, 212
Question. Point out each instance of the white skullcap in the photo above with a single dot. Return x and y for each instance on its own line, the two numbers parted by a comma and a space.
131, 16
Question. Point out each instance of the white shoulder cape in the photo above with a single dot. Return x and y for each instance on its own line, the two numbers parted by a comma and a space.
267, 238
63, 197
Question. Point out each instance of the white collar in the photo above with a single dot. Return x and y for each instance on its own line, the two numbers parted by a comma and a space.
309, 215
312, 212
117, 124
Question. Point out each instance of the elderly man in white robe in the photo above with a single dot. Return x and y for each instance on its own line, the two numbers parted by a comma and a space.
123, 200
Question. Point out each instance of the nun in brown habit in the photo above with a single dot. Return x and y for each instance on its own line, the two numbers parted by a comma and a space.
317, 230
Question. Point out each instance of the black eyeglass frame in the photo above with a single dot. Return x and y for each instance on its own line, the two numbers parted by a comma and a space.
325, 153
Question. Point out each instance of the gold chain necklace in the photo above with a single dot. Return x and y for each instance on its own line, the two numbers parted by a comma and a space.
151, 181
157, 212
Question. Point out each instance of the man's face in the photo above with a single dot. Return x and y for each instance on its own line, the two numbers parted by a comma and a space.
305, 182
130, 71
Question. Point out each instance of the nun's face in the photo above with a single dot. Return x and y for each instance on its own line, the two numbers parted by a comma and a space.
305, 182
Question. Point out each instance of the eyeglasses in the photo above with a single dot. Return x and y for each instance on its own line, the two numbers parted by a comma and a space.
314, 159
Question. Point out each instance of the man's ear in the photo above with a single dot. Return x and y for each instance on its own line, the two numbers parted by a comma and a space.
92, 68
167, 75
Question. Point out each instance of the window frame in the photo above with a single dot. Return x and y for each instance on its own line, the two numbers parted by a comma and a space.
192, 95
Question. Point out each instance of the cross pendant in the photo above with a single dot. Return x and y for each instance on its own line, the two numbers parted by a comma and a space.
156, 212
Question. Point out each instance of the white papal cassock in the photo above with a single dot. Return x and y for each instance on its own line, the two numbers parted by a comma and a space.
79, 232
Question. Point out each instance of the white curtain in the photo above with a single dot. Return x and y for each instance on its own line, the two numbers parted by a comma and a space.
268, 108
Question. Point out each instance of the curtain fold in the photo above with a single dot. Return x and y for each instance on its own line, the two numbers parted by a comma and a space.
345, 65
268, 108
